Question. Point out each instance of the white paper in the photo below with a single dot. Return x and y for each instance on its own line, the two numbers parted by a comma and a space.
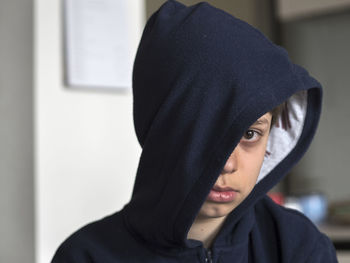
98, 44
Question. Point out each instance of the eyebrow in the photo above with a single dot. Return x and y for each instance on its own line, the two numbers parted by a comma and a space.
261, 121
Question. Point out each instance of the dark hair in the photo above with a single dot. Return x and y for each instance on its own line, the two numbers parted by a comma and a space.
275, 112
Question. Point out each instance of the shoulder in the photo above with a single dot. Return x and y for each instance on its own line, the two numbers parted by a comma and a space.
323, 251
284, 219
293, 233
105, 240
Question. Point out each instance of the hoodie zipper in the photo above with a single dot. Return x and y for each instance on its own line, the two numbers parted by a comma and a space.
208, 256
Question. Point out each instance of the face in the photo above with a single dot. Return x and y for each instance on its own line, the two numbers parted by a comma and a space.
239, 175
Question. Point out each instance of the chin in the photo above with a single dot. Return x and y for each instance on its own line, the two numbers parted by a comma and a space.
212, 210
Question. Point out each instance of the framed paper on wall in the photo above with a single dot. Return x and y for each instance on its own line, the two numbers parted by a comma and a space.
97, 40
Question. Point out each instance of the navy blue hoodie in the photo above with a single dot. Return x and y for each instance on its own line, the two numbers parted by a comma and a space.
201, 78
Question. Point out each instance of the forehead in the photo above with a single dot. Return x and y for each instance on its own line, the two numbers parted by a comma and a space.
265, 119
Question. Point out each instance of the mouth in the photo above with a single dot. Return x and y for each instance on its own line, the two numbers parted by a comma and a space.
223, 189
222, 194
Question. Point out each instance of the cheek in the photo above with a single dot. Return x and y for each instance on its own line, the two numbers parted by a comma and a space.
252, 162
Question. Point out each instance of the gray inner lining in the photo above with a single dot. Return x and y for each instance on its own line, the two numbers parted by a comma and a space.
283, 139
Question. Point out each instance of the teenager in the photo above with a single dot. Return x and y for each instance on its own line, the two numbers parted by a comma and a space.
206, 86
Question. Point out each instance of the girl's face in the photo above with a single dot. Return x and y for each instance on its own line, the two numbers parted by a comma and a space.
239, 175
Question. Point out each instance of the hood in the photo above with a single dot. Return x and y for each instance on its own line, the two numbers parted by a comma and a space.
201, 78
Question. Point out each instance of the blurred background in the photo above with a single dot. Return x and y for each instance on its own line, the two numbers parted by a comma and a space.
69, 154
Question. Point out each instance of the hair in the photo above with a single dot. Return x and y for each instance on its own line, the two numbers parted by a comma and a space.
275, 112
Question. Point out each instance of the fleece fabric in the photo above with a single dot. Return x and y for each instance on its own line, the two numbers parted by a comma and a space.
201, 78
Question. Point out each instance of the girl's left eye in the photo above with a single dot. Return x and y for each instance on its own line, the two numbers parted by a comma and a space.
251, 136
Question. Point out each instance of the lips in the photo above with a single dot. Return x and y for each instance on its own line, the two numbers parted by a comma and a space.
222, 189
222, 194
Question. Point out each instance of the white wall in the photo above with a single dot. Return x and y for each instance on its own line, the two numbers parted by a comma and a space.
86, 149
16, 132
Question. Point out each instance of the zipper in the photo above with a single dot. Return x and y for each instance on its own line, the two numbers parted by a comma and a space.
208, 256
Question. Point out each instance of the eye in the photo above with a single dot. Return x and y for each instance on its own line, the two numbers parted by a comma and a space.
251, 136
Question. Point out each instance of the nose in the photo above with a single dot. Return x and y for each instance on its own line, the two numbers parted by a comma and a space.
231, 163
